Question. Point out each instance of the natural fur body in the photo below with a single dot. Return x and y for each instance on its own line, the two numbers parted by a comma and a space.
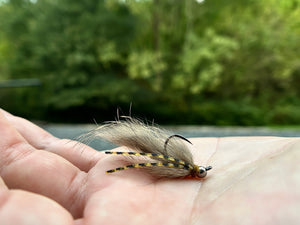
169, 155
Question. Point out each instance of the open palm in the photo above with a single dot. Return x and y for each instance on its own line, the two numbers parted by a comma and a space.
45, 180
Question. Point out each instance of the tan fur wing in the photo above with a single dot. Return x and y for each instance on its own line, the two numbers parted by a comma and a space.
140, 137
166, 172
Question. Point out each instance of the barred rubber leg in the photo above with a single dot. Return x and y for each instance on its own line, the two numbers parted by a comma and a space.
172, 165
154, 155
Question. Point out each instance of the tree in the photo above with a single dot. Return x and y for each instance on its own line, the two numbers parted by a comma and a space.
227, 62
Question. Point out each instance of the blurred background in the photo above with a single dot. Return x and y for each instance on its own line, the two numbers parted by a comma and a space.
234, 62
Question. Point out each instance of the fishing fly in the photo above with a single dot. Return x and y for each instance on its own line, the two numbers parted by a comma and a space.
153, 149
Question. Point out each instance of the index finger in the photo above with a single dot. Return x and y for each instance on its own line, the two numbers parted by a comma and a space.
78, 154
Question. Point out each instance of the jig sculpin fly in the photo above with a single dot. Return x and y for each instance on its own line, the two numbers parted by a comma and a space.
164, 155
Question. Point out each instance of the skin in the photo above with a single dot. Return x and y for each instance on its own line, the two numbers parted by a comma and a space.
46, 180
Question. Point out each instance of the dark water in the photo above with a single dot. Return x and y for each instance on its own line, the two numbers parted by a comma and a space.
74, 131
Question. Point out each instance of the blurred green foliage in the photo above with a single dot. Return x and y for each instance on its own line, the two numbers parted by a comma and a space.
211, 62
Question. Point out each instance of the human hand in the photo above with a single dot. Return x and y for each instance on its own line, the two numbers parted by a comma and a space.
254, 180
